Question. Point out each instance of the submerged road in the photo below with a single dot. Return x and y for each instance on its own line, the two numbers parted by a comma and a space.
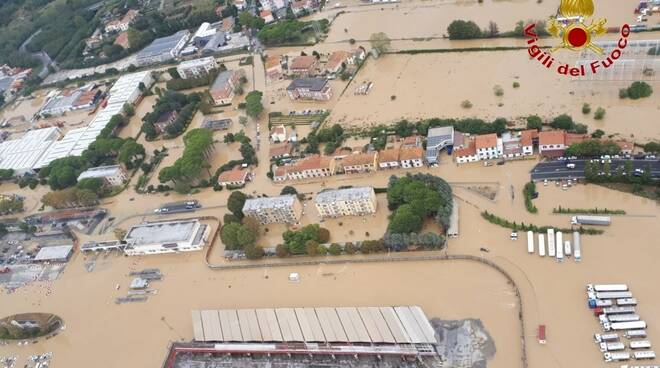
557, 170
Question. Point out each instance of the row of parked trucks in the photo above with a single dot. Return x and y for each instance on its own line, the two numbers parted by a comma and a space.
556, 246
614, 306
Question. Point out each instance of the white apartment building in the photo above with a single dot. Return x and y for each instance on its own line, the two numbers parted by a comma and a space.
112, 175
346, 202
196, 68
284, 209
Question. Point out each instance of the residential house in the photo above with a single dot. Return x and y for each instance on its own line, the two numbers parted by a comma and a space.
488, 146
239, 4
357, 201
412, 141
122, 25
299, 7
165, 120
466, 153
304, 66
312, 167
388, 159
572, 138
273, 66
336, 61
411, 157
357, 56
278, 133
511, 145
280, 174
360, 163
237, 177
309, 89
627, 147
196, 68
267, 16
437, 139
222, 89
122, 40
285, 209
280, 150
552, 143
527, 140
112, 175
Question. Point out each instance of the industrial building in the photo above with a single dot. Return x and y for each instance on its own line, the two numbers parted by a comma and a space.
125, 90
59, 253
70, 100
163, 49
346, 202
23, 153
112, 175
166, 237
196, 68
437, 139
267, 210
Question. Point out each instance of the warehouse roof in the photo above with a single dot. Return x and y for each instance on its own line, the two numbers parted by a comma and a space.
349, 194
402, 325
162, 232
23, 153
312, 84
162, 45
55, 253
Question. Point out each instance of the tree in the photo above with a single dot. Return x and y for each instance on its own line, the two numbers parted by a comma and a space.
235, 203
534, 122
493, 30
652, 147
174, 73
311, 247
639, 89
463, 30
250, 21
586, 108
599, 114
130, 152
598, 133
323, 235
253, 106
254, 252
93, 184
380, 42
229, 218
281, 250
236, 236
405, 220
563, 121
335, 249
128, 109
288, 190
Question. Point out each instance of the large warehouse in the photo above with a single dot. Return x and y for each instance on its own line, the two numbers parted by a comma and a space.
166, 237
125, 90
23, 153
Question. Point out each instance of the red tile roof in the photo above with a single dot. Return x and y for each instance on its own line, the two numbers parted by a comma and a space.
552, 137
469, 149
280, 149
313, 162
236, 174
359, 159
486, 141
388, 155
336, 58
576, 138
625, 145
122, 40
526, 137
303, 62
414, 153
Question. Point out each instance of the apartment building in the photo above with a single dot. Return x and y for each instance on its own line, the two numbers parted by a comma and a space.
196, 68
222, 89
411, 157
284, 209
311, 167
488, 146
309, 89
346, 202
552, 143
304, 66
360, 163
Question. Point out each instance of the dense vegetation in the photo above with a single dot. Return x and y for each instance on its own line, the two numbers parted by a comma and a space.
465, 30
184, 105
528, 193
597, 172
306, 240
494, 219
590, 211
70, 197
290, 32
565, 122
11, 204
593, 148
636, 91
192, 163
253, 106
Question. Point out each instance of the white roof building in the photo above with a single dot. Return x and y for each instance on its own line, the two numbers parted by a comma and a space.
111, 174
22, 154
125, 90
166, 237
59, 253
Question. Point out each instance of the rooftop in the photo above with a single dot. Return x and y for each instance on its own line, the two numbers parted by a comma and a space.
55, 253
234, 175
256, 204
469, 149
442, 132
303, 62
413, 153
161, 232
100, 172
272, 61
196, 62
24, 153
336, 58
163, 45
349, 194
527, 136
486, 141
359, 159
312, 84
222, 80
313, 162
280, 149
576, 138
625, 145
552, 137
388, 155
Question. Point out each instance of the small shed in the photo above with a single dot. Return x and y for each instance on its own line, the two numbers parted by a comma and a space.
59, 253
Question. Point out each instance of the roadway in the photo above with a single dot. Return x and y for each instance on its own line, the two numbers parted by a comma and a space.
557, 170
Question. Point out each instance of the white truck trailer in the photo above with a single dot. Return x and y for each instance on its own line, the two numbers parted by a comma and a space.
613, 294
567, 248
551, 243
542, 245
530, 242
611, 337
607, 287
618, 326
640, 344
577, 247
591, 220
626, 301
559, 242
616, 356
611, 346
623, 317
619, 310
635, 334
646, 354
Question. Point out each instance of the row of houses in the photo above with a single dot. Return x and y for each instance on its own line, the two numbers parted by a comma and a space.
313, 65
332, 203
349, 161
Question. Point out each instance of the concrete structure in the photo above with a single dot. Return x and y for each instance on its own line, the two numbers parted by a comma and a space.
122, 25
313, 166
166, 237
125, 90
309, 89
278, 133
488, 146
23, 154
453, 229
388, 159
163, 49
268, 210
437, 139
237, 177
196, 68
222, 89
304, 66
552, 143
59, 253
216, 124
411, 157
112, 175
360, 163
346, 202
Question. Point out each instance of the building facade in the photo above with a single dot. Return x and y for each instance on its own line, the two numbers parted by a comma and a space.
196, 68
284, 209
222, 89
346, 202
437, 139
552, 143
360, 163
236, 177
388, 159
488, 146
166, 237
411, 157
304, 66
314, 166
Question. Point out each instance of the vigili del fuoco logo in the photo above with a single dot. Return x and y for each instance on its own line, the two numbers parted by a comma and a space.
576, 30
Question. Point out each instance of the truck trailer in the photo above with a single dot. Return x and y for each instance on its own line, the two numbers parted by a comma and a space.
607, 287
640, 344
616, 356
617, 326
551, 243
623, 317
646, 354
611, 346
559, 242
598, 303
567, 248
541, 245
619, 310
577, 247
611, 337
635, 334
530, 242
591, 220
626, 301
613, 294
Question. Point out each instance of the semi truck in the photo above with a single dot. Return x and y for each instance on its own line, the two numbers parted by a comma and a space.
611, 337
577, 247
607, 287
626, 301
591, 220
567, 248
647, 354
618, 326
542, 245
611, 346
613, 294
616, 356
530, 242
635, 334
641, 344
551, 243
623, 317
598, 303
559, 242
619, 310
